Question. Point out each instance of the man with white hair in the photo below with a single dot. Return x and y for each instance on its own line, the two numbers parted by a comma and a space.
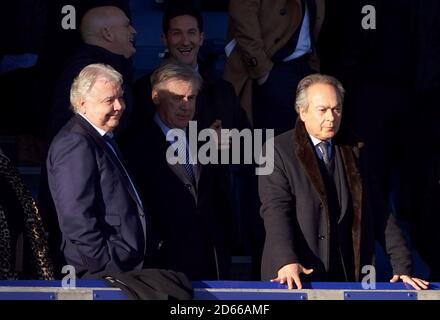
320, 205
108, 38
101, 217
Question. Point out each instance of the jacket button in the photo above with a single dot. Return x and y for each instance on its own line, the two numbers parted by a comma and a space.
321, 237
188, 186
283, 11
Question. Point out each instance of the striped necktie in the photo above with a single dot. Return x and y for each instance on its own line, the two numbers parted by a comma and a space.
181, 148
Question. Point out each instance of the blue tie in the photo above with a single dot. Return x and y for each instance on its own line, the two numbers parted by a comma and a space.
112, 143
325, 150
323, 147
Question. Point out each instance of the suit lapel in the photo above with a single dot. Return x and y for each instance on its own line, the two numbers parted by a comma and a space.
349, 155
99, 140
349, 151
177, 169
307, 157
341, 183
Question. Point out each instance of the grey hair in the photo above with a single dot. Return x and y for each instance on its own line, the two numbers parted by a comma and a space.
86, 79
301, 101
177, 71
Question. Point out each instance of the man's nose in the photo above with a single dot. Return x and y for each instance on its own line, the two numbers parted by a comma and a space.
329, 115
185, 39
119, 104
186, 103
133, 30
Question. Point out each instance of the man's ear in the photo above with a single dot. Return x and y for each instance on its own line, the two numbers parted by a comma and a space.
202, 38
82, 106
107, 34
155, 96
163, 39
302, 113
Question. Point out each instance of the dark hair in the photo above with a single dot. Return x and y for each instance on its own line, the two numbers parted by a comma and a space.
181, 10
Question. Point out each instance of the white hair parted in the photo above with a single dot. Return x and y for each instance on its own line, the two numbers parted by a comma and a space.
301, 101
84, 82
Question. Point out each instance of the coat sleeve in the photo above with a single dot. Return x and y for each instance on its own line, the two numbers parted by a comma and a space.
245, 28
74, 182
278, 212
396, 246
387, 230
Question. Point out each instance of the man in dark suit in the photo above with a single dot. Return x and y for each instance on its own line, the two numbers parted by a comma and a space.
188, 203
217, 106
321, 213
183, 37
101, 216
108, 37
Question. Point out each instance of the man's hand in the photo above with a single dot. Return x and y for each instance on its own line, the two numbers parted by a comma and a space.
222, 138
416, 283
290, 273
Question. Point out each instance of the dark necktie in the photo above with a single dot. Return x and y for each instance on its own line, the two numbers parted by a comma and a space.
324, 148
181, 147
111, 141
325, 151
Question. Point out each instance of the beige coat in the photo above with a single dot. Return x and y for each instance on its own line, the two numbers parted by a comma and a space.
261, 28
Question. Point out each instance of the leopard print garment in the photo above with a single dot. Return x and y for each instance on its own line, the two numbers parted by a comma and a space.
33, 227
5, 248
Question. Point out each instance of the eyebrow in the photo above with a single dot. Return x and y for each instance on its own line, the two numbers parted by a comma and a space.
176, 95
329, 107
108, 98
113, 97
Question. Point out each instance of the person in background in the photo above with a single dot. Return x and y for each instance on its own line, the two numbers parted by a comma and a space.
24, 252
189, 202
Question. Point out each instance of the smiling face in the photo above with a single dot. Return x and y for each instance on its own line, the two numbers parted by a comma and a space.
176, 101
104, 104
322, 117
183, 39
123, 34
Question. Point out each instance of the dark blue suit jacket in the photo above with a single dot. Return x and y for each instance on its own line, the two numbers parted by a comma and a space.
99, 216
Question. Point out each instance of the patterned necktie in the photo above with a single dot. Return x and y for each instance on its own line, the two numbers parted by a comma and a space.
323, 147
182, 149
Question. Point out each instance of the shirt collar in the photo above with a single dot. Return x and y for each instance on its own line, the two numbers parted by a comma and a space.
161, 125
316, 141
100, 131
